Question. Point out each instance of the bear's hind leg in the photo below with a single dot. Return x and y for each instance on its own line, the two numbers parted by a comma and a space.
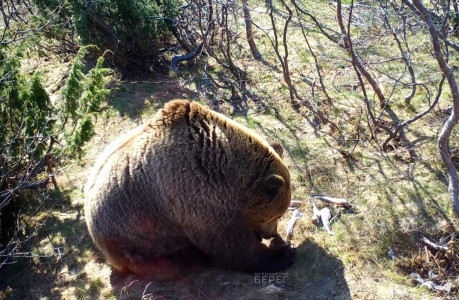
173, 266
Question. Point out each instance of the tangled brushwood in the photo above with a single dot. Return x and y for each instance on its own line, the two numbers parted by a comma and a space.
433, 262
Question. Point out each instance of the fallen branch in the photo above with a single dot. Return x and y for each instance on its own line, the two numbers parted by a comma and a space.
33, 185
433, 245
337, 201
176, 59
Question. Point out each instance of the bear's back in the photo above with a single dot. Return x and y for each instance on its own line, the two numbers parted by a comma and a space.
164, 169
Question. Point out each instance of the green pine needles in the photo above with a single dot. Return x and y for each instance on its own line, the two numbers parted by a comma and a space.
30, 123
134, 30
82, 98
31, 127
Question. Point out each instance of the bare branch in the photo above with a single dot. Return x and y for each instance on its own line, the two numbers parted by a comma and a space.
444, 136
433, 245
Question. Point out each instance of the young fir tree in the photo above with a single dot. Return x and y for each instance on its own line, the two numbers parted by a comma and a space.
82, 97
28, 125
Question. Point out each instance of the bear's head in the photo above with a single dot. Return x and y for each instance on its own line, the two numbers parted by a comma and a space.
269, 199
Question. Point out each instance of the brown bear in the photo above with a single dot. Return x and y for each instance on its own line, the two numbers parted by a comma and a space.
190, 188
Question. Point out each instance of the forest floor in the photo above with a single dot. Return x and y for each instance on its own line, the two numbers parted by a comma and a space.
395, 201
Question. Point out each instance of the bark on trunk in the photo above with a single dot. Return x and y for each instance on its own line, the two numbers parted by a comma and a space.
248, 28
443, 138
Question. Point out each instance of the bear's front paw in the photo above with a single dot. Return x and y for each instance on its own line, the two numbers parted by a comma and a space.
258, 236
286, 256
281, 258
278, 242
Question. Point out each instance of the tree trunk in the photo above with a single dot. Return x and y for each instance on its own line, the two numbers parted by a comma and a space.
248, 27
443, 138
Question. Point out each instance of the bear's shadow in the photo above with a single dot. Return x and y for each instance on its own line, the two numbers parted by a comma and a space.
314, 275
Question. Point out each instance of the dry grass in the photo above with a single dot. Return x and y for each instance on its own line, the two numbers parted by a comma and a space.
391, 201
395, 200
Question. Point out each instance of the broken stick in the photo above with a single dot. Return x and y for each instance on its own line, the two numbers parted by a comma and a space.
433, 245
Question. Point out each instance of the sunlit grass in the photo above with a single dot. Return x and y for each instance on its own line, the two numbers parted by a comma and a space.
394, 199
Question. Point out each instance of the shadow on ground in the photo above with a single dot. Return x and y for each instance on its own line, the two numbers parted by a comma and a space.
315, 275
54, 258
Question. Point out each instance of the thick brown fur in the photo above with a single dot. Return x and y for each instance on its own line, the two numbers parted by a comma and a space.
188, 189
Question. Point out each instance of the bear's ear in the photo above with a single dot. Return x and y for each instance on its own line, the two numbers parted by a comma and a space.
278, 148
272, 185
